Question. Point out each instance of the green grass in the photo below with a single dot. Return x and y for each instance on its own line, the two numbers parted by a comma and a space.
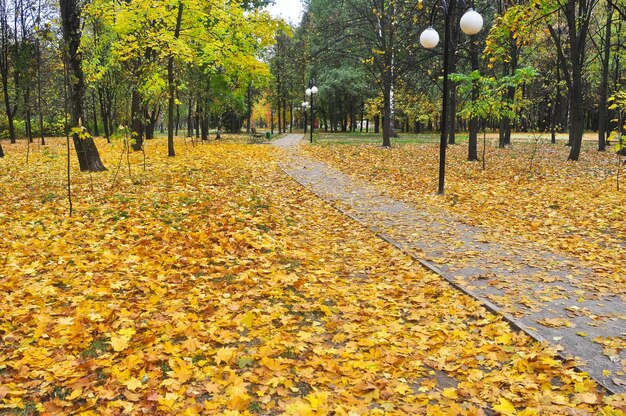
377, 138
344, 138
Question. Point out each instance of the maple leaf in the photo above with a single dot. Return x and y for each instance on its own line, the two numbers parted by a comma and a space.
132, 384
505, 407
119, 342
272, 364
224, 355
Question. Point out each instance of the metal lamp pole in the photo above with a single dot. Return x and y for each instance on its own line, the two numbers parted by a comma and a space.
471, 23
310, 92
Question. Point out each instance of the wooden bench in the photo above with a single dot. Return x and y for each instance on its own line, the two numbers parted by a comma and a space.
255, 136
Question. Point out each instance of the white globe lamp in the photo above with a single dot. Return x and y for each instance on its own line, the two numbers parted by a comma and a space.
471, 22
308, 92
429, 38
314, 90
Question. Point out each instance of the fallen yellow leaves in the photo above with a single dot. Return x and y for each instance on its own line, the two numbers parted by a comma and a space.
212, 284
572, 207
119, 342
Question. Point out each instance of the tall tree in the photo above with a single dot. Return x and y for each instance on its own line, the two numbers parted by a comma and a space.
578, 15
8, 70
604, 83
171, 86
86, 150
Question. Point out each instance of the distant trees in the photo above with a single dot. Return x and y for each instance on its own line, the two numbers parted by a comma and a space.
140, 64
577, 47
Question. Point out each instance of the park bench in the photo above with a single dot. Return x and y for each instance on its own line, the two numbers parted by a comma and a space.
255, 136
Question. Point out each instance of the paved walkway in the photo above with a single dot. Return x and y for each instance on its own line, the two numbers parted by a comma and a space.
541, 293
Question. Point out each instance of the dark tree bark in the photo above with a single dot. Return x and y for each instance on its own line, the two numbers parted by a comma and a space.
177, 122
197, 119
387, 131
105, 96
95, 117
28, 114
279, 113
86, 150
151, 118
578, 15
1, 151
249, 109
604, 84
39, 107
5, 69
362, 111
171, 88
455, 33
472, 150
285, 116
136, 121
190, 117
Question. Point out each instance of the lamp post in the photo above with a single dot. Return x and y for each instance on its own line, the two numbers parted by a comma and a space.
310, 92
471, 23
305, 104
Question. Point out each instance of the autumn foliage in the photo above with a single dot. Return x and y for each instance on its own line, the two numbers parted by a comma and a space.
213, 284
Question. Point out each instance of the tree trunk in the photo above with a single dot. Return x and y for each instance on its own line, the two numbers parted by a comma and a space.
103, 117
197, 118
190, 117
39, 107
137, 121
151, 118
577, 36
204, 128
171, 88
86, 150
362, 110
452, 116
604, 84
387, 114
177, 121
577, 112
5, 62
249, 113
472, 148
28, 115
376, 124
94, 113
279, 114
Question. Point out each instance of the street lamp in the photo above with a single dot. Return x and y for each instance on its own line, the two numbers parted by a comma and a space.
471, 23
305, 104
310, 92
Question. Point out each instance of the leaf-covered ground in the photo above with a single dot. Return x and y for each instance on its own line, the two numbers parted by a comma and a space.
213, 284
527, 190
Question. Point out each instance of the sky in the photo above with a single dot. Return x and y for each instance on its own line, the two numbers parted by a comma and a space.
290, 10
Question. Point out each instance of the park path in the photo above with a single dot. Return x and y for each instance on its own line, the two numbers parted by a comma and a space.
545, 294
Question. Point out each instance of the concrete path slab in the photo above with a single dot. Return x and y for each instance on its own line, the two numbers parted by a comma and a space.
542, 293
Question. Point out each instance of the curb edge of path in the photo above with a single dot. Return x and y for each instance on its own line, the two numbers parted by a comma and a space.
490, 306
